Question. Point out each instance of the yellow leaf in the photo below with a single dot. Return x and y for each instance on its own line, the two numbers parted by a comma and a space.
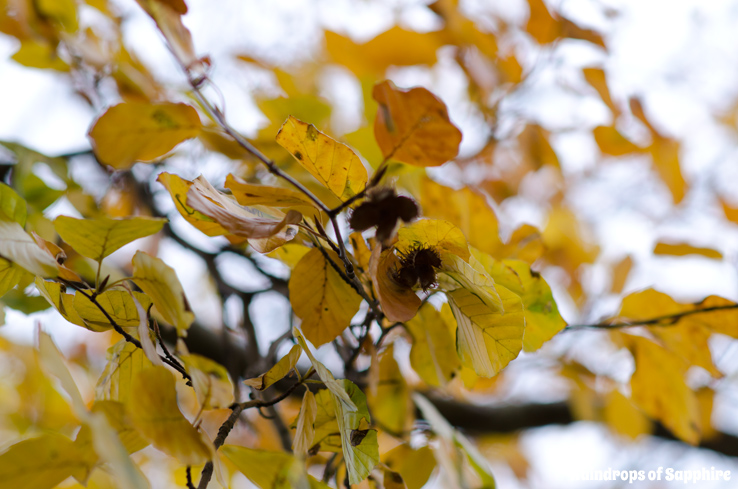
596, 78
683, 249
612, 143
542, 317
114, 454
271, 470
62, 11
63, 302
541, 24
156, 415
305, 431
246, 222
433, 355
374, 57
658, 387
433, 233
279, 371
98, 238
118, 419
167, 15
178, 188
137, 131
160, 283
39, 54
731, 213
12, 205
390, 405
487, 339
320, 297
623, 417
210, 380
117, 303
10, 276
249, 194
620, 272
412, 126
53, 361
41, 462
125, 361
333, 164
399, 303
20, 248
414, 465
289, 254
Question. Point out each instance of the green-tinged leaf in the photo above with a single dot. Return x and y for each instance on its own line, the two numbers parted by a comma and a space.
19, 247
98, 238
12, 206
359, 443
321, 298
433, 354
454, 441
55, 294
472, 276
279, 371
156, 415
305, 430
487, 339
125, 361
210, 380
542, 317
334, 386
139, 131
117, 303
160, 283
271, 470
41, 462
10, 276
332, 163
412, 126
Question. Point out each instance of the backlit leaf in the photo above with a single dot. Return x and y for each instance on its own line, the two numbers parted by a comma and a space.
156, 415
64, 303
125, 361
210, 380
414, 465
10, 276
596, 77
305, 430
612, 143
53, 361
160, 283
684, 249
333, 164
279, 371
442, 235
412, 126
487, 339
320, 297
271, 470
114, 453
137, 131
249, 194
359, 443
12, 205
20, 248
433, 354
117, 303
98, 238
390, 405
623, 417
178, 188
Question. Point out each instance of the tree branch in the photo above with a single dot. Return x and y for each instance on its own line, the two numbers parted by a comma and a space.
666, 320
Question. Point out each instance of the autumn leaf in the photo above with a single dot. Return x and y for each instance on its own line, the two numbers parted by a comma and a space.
433, 354
118, 304
321, 298
596, 77
623, 417
125, 361
612, 143
271, 470
412, 126
178, 188
19, 247
210, 380
12, 205
333, 164
10, 276
414, 465
98, 238
305, 429
249, 194
390, 404
399, 302
156, 415
279, 371
442, 235
160, 283
684, 249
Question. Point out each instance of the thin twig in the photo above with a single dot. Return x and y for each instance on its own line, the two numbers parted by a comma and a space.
666, 320
188, 473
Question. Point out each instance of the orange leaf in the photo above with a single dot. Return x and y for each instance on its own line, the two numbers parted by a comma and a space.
412, 126
683, 249
399, 303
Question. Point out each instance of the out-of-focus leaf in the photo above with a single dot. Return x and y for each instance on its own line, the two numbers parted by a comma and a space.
390, 404
12, 205
436, 233
305, 431
658, 387
210, 380
271, 470
160, 283
623, 417
156, 415
117, 418
10, 276
665, 153
114, 453
168, 17
62, 11
333, 164
620, 272
53, 361
596, 78
279, 371
433, 354
20, 248
137, 131
683, 249
320, 297
39, 54
412, 126
41, 463
415, 466
612, 143
98, 238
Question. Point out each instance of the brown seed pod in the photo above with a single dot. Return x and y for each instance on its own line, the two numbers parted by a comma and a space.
417, 265
383, 208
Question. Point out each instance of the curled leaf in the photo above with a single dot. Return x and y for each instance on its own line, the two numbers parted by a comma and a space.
398, 301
